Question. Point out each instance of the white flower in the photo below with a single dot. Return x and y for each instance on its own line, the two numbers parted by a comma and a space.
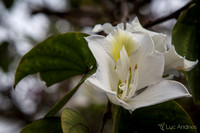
173, 61
130, 67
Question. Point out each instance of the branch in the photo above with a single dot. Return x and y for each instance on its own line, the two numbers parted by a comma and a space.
107, 115
163, 19
124, 11
76, 17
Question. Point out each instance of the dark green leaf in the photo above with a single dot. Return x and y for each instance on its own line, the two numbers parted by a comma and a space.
68, 95
165, 117
57, 58
45, 125
72, 122
186, 38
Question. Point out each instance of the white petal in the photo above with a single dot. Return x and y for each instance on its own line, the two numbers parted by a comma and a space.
107, 28
128, 27
104, 78
145, 41
159, 39
97, 28
150, 70
115, 100
160, 42
119, 38
174, 62
96, 44
150, 64
122, 65
158, 93
121, 26
136, 26
96, 83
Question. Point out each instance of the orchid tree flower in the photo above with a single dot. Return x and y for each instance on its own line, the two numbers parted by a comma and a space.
131, 67
173, 61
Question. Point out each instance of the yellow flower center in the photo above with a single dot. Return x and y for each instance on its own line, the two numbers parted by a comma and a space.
120, 39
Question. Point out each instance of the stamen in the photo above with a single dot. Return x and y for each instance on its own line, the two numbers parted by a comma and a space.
127, 88
119, 89
136, 66
130, 69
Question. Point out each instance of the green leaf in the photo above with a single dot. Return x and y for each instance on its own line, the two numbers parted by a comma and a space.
72, 122
186, 38
165, 117
57, 58
68, 95
45, 125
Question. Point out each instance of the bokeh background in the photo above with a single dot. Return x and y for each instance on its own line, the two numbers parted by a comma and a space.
24, 23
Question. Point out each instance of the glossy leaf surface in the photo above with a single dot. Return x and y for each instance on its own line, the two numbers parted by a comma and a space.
186, 38
72, 122
57, 58
45, 125
165, 117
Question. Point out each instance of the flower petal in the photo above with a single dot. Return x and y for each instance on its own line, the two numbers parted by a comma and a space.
136, 26
158, 93
159, 39
145, 41
119, 38
97, 28
121, 26
174, 62
150, 70
114, 99
128, 27
97, 84
122, 65
107, 28
150, 64
97, 45
104, 78
160, 42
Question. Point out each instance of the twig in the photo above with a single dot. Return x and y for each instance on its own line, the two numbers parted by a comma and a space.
124, 12
107, 115
74, 16
163, 19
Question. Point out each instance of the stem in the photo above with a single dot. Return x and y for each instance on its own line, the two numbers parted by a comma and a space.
107, 115
165, 18
124, 10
